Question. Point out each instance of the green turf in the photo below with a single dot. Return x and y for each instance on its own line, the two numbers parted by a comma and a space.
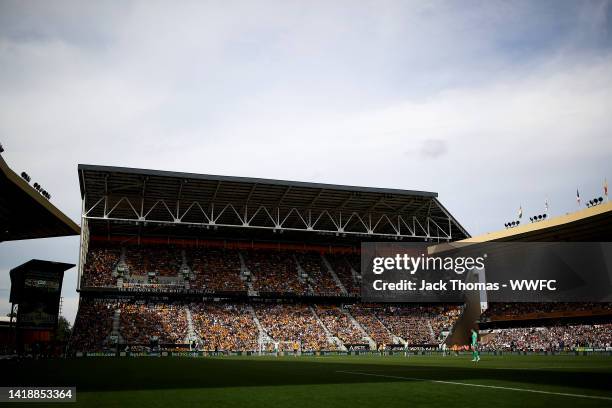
323, 381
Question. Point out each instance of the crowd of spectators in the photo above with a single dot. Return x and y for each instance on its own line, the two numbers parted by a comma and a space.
98, 271
160, 268
275, 271
419, 324
224, 326
142, 323
160, 259
319, 277
289, 324
339, 324
344, 271
366, 316
215, 270
92, 326
497, 311
555, 338
355, 261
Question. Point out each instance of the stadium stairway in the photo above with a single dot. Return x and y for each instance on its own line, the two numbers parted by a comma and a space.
359, 327
247, 276
115, 326
356, 277
395, 338
263, 336
191, 333
302, 275
121, 269
431, 331
399, 340
334, 276
330, 337
185, 268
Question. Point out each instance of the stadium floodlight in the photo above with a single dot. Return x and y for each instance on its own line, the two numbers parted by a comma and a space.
594, 202
539, 217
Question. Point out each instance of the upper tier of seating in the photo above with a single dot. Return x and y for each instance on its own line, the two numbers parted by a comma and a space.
213, 270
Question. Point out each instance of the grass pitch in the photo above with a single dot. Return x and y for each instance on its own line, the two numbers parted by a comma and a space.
351, 381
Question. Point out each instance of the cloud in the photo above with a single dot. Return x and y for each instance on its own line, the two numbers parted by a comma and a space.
433, 148
497, 106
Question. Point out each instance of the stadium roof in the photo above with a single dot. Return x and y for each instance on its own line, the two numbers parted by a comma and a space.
592, 224
152, 197
26, 214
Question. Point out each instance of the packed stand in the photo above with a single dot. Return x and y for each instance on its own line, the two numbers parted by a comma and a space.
556, 338
366, 316
215, 270
164, 261
142, 322
319, 277
92, 326
419, 324
225, 327
344, 271
98, 271
274, 271
339, 324
497, 311
290, 324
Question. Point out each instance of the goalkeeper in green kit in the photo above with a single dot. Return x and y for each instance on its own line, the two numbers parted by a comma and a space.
475, 353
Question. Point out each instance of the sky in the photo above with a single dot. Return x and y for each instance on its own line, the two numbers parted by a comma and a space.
495, 105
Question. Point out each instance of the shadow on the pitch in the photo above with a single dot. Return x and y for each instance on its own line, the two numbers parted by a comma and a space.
113, 374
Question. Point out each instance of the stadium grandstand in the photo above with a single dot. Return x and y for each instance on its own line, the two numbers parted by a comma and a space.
228, 264
551, 326
26, 212
173, 261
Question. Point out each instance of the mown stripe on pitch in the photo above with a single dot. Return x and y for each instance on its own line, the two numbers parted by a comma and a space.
498, 387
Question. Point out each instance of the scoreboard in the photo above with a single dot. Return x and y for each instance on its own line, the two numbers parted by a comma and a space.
36, 288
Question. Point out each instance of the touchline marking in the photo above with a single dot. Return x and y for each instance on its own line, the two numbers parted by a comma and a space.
480, 385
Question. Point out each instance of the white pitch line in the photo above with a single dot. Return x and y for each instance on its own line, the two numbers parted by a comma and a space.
563, 394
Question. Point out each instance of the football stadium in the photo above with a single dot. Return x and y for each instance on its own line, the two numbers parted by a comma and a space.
370, 204
200, 289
